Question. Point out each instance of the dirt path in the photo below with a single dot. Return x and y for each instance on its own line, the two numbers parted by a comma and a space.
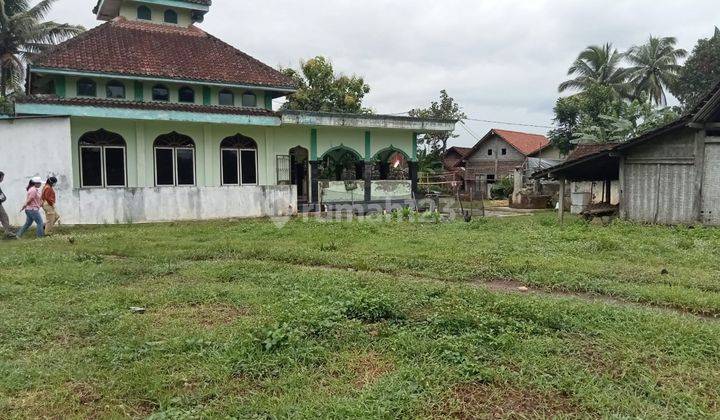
516, 287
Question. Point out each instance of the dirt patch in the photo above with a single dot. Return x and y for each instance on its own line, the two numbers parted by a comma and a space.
85, 393
493, 401
368, 368
514, 286
211, 315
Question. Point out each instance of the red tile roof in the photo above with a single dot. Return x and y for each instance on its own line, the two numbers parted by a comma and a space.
154, 50
162, 106
525, 143
583, 150
462, 151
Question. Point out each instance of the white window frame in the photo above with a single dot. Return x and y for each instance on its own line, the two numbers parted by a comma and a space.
239, 167
194, 166
103, 167
125, 167
222, 166
174, 166
257, 175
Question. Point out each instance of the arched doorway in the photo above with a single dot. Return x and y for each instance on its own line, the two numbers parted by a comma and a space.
341, 164
391, 164
299, 158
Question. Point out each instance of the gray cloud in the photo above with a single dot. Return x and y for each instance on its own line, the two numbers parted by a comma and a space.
502, 60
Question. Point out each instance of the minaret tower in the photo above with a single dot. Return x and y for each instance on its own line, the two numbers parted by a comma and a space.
169, 12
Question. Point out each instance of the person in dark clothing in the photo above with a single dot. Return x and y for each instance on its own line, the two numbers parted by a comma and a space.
4, 219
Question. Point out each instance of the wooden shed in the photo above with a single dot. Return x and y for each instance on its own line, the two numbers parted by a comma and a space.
668, 176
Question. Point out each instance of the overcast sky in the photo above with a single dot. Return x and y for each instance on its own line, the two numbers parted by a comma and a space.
501, 59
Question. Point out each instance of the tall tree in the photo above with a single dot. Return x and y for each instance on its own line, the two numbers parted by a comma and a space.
654, 68
24, 34
320, 89
574, 113
597, 65
444, 109
700, 72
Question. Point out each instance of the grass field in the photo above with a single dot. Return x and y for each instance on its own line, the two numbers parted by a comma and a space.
378, 319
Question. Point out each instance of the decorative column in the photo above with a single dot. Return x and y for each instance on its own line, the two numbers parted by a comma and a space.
367, 170
413, 165
367, 175
413, 168
314, 192
314, 170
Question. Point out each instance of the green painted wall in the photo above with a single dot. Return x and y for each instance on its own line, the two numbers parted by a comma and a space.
129, 11
272, 141
136, 90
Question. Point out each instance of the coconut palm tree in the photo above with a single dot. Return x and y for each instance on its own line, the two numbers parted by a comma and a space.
655, 68
597, 65
24, 34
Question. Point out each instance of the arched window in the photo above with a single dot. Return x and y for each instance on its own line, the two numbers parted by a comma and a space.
249, 99
144, 13
239, 160
160, 93
86, 87
226, 97
102, 159
115, 90
171, 16
186, 94
174, 160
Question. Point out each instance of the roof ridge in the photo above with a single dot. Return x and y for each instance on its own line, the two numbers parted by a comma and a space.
519, 132
122, 22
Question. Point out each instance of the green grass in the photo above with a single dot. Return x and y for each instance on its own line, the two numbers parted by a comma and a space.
381, 319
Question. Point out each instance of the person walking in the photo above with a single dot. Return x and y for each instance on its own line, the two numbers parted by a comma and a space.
33, 203
49, 199
4, 219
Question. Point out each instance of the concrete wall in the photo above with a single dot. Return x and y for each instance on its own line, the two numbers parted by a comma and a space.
50, 146
552, 153
34, 147
133, 205
336, 191
498, 164
46, 147
128, 10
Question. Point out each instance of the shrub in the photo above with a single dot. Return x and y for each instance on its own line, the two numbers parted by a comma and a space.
502, 189
370, 308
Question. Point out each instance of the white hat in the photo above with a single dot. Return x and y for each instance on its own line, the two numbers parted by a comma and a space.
36, 180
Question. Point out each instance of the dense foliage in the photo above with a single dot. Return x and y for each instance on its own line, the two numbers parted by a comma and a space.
23, 35
444, 109
700, 72
614, 103
320, 89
